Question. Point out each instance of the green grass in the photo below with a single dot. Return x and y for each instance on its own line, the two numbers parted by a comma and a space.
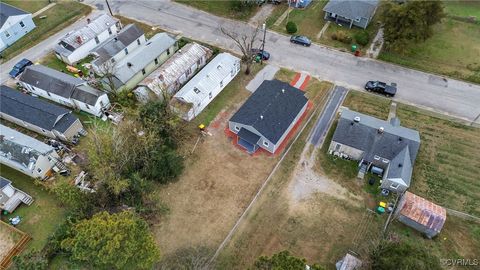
41, 218
28, 5
220, 8
51, 61
58, 17
453, 50
278, 10
370, 104
147, 29
462, 8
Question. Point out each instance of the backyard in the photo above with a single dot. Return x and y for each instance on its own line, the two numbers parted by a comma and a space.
56, 18
29, 6
8, 239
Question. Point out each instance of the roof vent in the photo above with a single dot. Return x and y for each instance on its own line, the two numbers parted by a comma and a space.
261, 117
129, 64
356, 119
400, 165
89, 20
283, 91
381, 130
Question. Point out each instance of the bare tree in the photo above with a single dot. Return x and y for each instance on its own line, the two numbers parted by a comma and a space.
107, 71
194, 258
245, 42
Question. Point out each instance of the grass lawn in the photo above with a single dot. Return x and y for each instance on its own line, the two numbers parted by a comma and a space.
29, 6
42, 217
149, 30
462, 8
58, 17
220, 8
51, 61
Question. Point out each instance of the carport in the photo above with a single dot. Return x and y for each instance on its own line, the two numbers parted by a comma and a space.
248, 140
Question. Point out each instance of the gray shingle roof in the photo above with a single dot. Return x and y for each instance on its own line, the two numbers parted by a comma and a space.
401, 166
111, 47
352, 9
271, 109
50, 80
34, 111
87, 94
7, 10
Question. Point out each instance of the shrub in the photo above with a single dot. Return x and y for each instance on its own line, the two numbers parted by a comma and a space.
362, 38
342, 36
291, 27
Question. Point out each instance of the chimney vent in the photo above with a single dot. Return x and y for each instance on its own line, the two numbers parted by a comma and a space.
283, 91
381, 129
261, 117
356, 119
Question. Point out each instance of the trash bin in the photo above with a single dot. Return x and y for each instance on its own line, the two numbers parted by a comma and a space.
257, 58
357, 53
354, 47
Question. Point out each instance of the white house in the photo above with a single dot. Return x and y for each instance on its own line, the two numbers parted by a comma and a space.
14, 24
116, 48
77, 44
26, 154
205, 86
11, 197
64, 89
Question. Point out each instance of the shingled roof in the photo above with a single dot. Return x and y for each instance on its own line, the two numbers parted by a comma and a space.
271, 109
7, 11
35, 111
50, 80
352, 9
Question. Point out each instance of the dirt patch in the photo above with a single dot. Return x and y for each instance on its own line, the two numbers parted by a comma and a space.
7, 240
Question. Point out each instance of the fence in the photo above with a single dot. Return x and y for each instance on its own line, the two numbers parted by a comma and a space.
15, 250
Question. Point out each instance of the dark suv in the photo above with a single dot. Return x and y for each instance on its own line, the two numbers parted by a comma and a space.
382, 88
302, 40
20, 67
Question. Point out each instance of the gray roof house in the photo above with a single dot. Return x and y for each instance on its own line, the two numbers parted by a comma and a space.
11, 197
64, 89
359, 12
117, 47
14, 24
38, 115
384, 147
267, 117
26, 154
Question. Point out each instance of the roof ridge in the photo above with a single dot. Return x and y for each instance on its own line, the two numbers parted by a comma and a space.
28, 105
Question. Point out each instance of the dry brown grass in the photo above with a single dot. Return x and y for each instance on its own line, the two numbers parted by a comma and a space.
8, 238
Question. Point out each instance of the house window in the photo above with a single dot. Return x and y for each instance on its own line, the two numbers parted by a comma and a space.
112, 60
221, 84
384, 160
376, 157
266, 143
48, 93
97, 40
187, 72
22, 24
156, 61
237, 128
126, 51
358, 19
39, 170
337, 147
168, 51
394, 185
196, 90
7, 34
143, 72
210, 95
138, 41
86, 105
199, 62
109, 31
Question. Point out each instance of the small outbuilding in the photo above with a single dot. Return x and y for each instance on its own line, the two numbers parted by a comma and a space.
11, 197
421, 214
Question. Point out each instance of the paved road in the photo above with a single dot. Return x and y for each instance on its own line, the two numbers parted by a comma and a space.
41, 49
327, 116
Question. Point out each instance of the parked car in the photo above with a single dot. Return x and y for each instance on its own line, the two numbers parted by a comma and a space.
20, 67
382, 88
302, 40
275, 2
265, 55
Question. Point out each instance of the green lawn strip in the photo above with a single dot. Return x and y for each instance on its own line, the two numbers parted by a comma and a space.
43, 216
221, 8
278, 10
29, 6
462, 8
58, 17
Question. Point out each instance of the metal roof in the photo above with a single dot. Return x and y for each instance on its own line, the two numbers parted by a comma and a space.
352, 9
15, 137
7, 11
422, 211
135, 61
116, 44
175, 67
34, 110
50, 80
271, 109
199, 87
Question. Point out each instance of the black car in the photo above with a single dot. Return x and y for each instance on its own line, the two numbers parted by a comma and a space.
20, 67
265, 55
302, 40
382, 88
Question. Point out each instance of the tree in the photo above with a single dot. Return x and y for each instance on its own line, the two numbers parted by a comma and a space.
194, 258
291, 27
410, 22
113, 241
245, 42
30, 260
403, 255
282, 260
107, 71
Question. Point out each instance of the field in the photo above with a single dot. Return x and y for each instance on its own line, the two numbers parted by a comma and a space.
221, 8
57, 18
29, 6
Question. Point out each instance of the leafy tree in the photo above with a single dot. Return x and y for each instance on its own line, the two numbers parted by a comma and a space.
245, 42
282, 261
69, 195
403, 255
410, 22
291, 27
164, 165
30, 260
113, 241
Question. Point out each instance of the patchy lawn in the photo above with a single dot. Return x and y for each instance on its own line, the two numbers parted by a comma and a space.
221, 8
41, 218
51, 61
149, 30
29, 6
58, 17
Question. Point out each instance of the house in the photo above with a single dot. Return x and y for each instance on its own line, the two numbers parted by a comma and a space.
383, 147
38, 115
14, 24
176, 70
11, 197
26, 154
116, 48
134, 67
64, 89
421, 214
205, 86
267, 117
77, 44
359, 13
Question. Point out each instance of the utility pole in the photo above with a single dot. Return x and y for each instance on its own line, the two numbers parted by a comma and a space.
264, 27
109, 9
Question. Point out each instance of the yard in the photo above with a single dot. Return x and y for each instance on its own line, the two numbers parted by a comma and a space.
8, 239
29, 6
57, 18
221, 8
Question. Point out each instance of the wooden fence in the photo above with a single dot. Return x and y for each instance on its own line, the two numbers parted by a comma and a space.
17, 249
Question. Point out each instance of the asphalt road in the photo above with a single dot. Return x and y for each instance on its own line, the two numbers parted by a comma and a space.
448, 96
326, 118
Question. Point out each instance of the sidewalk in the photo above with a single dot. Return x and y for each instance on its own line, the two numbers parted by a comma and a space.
43, 10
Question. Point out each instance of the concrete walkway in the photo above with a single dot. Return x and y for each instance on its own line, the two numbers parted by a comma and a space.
267, 73
376, 45
324, 28
261, 16
282, 17
43, 10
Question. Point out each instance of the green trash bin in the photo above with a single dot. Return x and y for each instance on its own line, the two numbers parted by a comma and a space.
257, 58
354, 47
380, 210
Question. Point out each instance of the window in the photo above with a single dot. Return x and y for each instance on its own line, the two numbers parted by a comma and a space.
394, 185
196, 90
112, 60
156, 61
126, 51
199, 62
109, 31
210, 95
48, 93
168, 51
237, 128
7, 34
337, 147
187, 72
143, 72
86, 105
138, 41
22, 24
384, 160
97, 40
358, 19
221, 84
266, 143
39, 170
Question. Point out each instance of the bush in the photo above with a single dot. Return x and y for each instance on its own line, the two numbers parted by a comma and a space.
291, 27
342, 36
362, 38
